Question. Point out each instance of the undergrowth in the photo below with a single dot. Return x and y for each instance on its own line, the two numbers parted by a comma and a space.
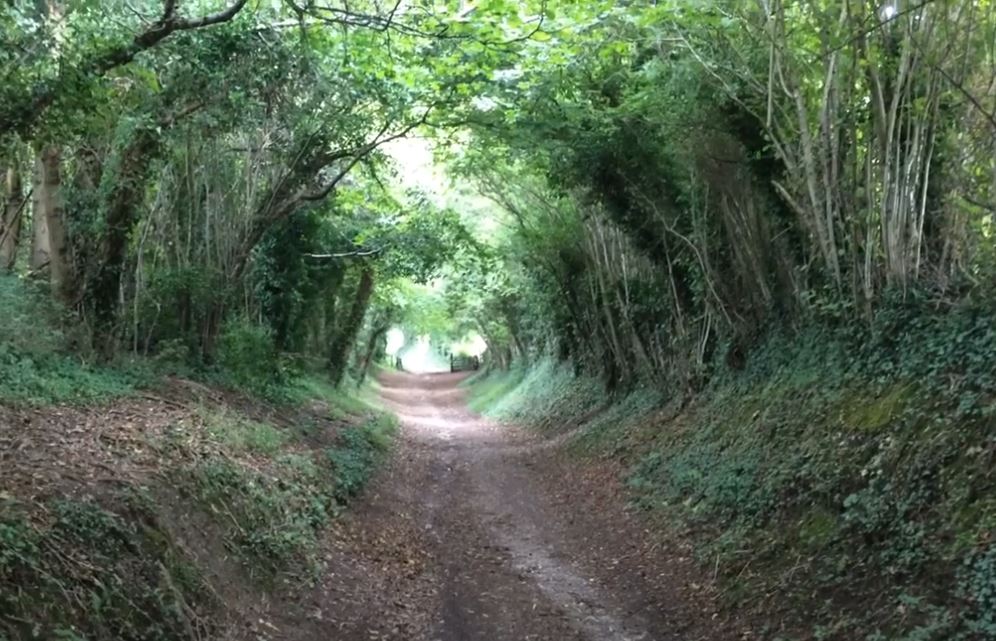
848, 462
274, 511
36, 364
44, 360
86, 571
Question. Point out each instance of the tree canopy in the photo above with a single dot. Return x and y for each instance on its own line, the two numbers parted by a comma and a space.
637, 188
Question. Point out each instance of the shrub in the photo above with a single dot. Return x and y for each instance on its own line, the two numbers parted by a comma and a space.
248, 356
360, 450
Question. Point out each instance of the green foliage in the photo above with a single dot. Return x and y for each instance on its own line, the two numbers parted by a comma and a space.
175, 303
91, 572
248, 356
360, 450
977, 586
35, 365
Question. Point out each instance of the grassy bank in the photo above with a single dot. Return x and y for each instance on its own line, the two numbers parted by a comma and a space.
842, 466
144, 539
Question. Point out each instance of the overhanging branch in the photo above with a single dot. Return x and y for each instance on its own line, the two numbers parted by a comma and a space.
21, 118
361, 153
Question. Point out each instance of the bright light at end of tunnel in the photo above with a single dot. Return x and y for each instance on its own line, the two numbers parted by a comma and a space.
422, 358
395, 341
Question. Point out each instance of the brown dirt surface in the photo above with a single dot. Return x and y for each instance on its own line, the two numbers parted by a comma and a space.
478, 532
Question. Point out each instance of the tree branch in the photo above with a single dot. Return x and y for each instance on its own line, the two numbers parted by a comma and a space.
359, 154
359, 253
22, 117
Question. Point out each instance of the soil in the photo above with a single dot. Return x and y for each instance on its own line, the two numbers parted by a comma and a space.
478, 532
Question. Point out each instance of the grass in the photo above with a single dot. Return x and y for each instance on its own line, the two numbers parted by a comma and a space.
274, 515
490, 386
348, 400
546, 396
242, 434
277, 507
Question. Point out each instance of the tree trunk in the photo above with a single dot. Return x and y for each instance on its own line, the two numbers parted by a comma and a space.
339, 352
121, 215
10, 219
39, 223
49, 246
375, 337
48, 201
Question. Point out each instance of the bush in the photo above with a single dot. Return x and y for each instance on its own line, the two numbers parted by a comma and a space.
248, 357
361, 449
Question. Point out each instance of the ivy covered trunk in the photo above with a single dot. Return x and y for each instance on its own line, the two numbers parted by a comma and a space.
120, 216
376, 335
339, 352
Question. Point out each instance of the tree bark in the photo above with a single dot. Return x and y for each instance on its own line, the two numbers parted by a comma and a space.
10, 219
49, 202
375, 337
39, 225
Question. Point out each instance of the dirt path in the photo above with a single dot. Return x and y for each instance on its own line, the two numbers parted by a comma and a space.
477, 535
